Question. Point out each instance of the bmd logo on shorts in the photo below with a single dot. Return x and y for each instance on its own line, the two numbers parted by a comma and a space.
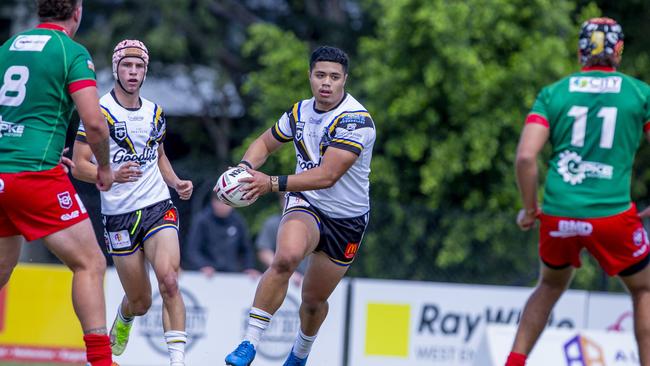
582, 351
571, 228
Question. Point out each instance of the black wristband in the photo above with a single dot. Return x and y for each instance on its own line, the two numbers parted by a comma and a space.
282, 183
249, 165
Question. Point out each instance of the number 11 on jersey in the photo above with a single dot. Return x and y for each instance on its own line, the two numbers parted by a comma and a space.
579, 113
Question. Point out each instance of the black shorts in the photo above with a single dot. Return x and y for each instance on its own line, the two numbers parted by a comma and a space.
340, 239
125, 233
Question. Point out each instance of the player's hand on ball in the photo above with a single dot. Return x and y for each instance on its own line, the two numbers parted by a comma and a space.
526, 219
256, 185
127, 172
184, 189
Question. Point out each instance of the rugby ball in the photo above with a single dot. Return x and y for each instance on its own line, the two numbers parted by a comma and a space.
228, 187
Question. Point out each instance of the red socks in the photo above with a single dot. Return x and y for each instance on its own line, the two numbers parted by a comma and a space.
516, 359
98, 349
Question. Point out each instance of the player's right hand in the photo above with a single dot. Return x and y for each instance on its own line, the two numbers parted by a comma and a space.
128, 172
526, 220
104, 178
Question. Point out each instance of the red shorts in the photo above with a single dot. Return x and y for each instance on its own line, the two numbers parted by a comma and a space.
617, 242
37, 204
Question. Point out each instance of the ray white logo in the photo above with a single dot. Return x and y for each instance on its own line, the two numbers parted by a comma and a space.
571, 228
574, 170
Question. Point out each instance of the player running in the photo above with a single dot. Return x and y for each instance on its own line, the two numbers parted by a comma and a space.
326, 212
138, 212
594, 120
37, 200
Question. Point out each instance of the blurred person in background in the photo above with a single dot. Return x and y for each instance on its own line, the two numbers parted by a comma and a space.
45, 74
266, 240
219, 242
594, 120
328, 206
139, 217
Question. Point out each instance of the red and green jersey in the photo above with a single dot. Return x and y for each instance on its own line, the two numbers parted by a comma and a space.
596, 119
39, 70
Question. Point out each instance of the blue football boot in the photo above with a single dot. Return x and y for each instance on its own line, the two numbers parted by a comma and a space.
293, 360
243, 355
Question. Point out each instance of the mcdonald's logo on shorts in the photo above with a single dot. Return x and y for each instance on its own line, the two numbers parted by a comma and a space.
351, 250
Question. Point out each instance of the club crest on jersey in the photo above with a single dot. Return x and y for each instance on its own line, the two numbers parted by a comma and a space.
300, 126
120, 130
65, 200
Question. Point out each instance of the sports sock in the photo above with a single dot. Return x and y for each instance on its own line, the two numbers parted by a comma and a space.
516, 359
302, 345
98, 349
125, 319
258, 321
176, 341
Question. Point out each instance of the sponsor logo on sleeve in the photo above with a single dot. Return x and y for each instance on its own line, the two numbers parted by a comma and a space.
590, 84
91, 65
34, 43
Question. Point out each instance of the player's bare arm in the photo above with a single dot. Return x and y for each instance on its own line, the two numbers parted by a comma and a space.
334, 164
260, 149
646, 211
87, 104
85, 170
533, 138
184, 188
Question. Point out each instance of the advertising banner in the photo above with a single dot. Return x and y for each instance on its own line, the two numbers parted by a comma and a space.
612, 312
398, 323
562, 347
217, 313
37, 321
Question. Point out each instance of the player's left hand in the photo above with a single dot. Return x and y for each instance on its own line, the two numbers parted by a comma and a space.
526, 220
645, 213
66, 162
184, 189
258, 184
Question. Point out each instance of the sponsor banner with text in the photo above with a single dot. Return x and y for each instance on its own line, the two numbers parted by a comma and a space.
422, 323
217, 313
562, 347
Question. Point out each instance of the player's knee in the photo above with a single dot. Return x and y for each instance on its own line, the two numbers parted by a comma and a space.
285, 264
140, 306
169, 285
313, 305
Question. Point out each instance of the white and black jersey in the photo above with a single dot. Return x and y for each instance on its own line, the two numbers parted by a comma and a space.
348, 126
135, 134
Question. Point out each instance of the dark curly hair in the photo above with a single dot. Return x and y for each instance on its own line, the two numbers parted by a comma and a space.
49, 10
331, 54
